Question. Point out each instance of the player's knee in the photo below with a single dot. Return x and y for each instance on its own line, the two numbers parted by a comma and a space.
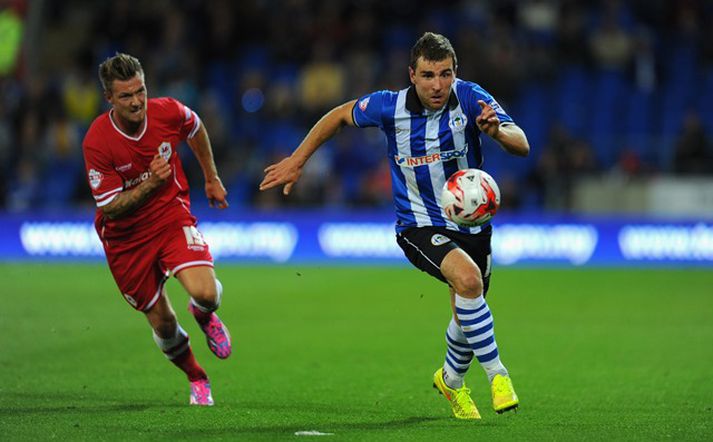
206, 295
470, 285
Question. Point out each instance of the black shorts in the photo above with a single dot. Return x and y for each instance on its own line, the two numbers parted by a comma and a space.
426, 247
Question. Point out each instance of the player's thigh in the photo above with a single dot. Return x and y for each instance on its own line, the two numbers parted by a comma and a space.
137, 274
186, 255
426, 248
199, 281
462, 273
479, 248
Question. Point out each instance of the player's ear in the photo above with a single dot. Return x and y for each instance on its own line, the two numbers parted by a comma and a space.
412, 75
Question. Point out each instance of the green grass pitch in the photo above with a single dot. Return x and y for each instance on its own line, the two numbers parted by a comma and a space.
595, 354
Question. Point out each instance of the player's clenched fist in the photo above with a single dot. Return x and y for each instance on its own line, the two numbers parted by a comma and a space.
160, 169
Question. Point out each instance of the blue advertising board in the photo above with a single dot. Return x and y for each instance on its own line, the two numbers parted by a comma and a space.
368, 237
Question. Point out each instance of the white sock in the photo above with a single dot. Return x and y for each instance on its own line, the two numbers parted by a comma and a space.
175, 345
476, 321
459, 355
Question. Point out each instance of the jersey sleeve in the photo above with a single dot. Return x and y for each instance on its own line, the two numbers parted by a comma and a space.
368, 110
188, 121
104, 181
475, 92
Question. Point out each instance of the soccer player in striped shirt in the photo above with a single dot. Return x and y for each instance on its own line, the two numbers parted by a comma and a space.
433, 129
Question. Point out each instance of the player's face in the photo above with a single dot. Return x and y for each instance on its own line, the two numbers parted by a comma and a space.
128, 98
433, 80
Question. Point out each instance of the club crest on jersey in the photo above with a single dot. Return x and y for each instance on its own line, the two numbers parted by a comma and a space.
95, 178
165, 150
445, 155
130, 299
364, 103
458, 123
439, 240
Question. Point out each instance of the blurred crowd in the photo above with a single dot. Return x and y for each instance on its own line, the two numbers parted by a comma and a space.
600, 87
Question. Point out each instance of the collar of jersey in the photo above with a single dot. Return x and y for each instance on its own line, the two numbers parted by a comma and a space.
143, 131
414, 105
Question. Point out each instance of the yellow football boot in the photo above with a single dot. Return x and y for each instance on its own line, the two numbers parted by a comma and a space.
462, 405
504, 397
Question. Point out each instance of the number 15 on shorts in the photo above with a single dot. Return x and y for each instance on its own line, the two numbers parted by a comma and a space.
194, 238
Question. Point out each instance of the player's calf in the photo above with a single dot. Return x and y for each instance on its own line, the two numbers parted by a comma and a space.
177, 348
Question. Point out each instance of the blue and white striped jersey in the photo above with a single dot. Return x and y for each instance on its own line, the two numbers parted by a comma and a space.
426, 147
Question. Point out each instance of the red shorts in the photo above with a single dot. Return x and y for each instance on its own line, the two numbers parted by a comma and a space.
141, 267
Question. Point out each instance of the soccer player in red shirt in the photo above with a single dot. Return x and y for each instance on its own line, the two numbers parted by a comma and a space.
143, 213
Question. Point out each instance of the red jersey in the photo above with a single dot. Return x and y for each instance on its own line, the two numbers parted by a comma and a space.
116, 162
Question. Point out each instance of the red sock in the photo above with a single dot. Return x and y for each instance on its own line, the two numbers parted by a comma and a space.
187, 362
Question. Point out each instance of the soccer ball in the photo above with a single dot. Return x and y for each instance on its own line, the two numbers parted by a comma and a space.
470, 197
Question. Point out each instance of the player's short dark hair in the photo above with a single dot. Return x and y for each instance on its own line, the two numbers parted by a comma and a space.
432, 47
119, 67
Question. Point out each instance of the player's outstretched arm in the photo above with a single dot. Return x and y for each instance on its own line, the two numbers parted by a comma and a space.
288, 170
129, 200
510, 137
513, 139
214, 190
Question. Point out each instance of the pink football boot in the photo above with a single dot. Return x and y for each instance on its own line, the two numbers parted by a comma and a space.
200, 393
217, 334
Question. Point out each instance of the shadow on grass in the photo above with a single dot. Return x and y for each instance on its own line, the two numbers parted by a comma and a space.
73, 409
384, 425
84, 403
290, 429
